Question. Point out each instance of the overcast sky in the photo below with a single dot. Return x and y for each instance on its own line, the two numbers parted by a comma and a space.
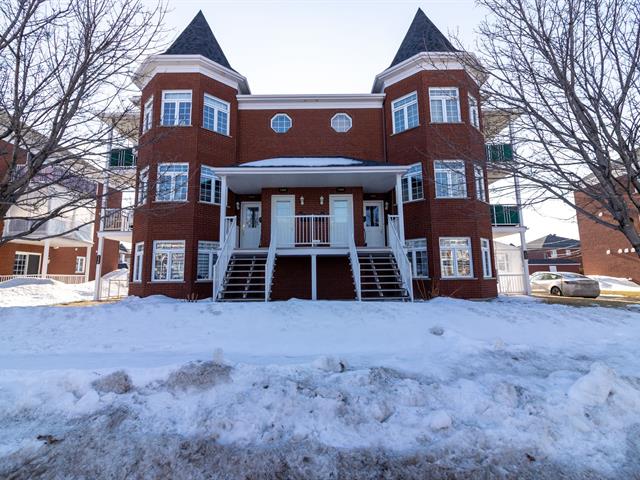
333, 46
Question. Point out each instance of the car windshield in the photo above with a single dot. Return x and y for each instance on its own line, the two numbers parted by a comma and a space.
572, 275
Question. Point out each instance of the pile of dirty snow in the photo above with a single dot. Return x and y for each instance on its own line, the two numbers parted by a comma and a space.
616, 285
159, 388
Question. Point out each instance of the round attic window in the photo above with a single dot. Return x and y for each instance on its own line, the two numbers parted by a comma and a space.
341, 122
281, 123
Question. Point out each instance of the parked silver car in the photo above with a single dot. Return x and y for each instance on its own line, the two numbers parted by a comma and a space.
564, 283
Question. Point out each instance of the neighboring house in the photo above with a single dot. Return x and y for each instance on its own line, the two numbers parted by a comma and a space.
605, 251
68, 257
553, 253
377, 196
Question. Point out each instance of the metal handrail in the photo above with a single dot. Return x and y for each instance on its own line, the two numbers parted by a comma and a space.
224, 255
400, 254
271, 260
311, 230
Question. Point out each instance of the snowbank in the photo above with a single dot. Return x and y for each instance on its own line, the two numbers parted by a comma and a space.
317, 389
616, 285
29, 292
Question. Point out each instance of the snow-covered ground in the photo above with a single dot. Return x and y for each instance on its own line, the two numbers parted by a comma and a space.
510, 388
616, 285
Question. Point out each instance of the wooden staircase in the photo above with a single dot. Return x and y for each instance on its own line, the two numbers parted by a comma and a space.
244, 280
380, 279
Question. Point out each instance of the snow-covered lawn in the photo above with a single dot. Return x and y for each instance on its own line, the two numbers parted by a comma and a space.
22, 292
615, 285
510, 388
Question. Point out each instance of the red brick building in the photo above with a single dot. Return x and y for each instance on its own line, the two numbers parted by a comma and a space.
605, 251
553, 253
367, 196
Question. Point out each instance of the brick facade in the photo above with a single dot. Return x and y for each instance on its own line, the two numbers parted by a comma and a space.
370, 139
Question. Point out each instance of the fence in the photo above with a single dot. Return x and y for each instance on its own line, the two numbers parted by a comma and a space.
68, 279
511, 284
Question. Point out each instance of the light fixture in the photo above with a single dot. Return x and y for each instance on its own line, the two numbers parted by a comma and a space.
301, 200
386, 206
237, 205
321, 199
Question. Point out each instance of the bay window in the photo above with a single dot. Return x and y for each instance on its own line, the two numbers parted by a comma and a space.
417, 255
172, 182
405, 113
138, 257
455, 257
210, 186
168, 260
215, 114
445, 105
486, 258
176, 108
451, 181
207, 257
481, 191
412, 184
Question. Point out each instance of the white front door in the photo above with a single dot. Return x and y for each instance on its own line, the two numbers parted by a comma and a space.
374, 223
341, 210
283, 220
250, 225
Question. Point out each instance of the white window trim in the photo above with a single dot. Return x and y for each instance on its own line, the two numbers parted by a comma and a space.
408, 177
153, 260
405, 108
435, 169
147, 113
176, 124
19, 252
414, 264
143, 173
278, 115
340, 114
445, 117
475, 108
479, 180
215, 179
173, 187
83, 261
215, 115
485, 247
454, 259
138, 266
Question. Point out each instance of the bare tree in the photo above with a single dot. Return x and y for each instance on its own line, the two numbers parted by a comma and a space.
65, 99
570, 70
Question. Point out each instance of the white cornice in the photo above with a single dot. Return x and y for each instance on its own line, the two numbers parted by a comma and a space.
189, 64
240, 170
299, 102
430, 61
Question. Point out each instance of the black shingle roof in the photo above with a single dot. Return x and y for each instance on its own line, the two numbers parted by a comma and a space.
422, 36
198, 39
552, 242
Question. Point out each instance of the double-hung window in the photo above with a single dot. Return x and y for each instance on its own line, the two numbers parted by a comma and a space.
80, 264
445, 105
210, 186
143, 186
486, 258
417, 255
412, 185
207, 257
451, 181
474, 115
172, 182
481, 191
176, 108
215, 115
455, 257
405, 113
138, 257
168, 260
147, 120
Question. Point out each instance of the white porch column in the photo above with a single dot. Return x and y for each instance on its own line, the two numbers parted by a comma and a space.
400, 206
45, 257
523, 241
314, 278
224, 194
87, 263
98, 279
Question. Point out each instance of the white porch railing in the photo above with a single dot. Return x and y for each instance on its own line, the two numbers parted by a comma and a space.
68, 279
118, 220
511, 284
355, 266
227, 244
312, 231
268, 274
400, 253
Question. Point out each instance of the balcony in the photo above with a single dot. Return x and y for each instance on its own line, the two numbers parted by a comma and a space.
312, 231
499, 152
117, 220
56, 227
122, 158
505, 216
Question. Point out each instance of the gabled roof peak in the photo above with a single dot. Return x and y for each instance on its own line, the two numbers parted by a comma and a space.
198, 39
422, 36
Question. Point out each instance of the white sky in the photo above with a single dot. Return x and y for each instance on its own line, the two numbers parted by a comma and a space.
333, 46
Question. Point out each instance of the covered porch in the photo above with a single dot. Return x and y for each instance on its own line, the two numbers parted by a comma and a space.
310, 208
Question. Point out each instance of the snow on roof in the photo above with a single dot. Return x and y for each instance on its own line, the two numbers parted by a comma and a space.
306, 162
